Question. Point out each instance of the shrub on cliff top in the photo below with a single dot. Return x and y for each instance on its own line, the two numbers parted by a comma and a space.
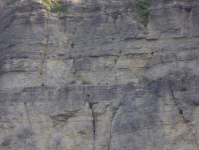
48, 4
55, 6
142, 8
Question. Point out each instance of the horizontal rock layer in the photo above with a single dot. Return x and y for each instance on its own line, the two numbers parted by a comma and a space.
161, 115
97, 44
95, 78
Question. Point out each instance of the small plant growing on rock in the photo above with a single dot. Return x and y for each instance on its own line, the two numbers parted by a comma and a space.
67, 89
171, 83
55, 6
73, 82
84, 8
48, 4
180, 111
152, 81
42, 84
84, 82
59, 8
129, 83
72, 45
145, 79
177, 73
183, 89
142, 8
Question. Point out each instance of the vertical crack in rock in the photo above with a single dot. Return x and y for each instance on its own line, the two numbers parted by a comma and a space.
183, 116
43, 56
111, 125
116, 59
185, 119
74, 67
172, 94
29, 124
74, 56
196, 141
94, 126
176, 101
170, 88
192, 133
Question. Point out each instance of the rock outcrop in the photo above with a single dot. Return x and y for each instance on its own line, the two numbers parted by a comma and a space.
95, 78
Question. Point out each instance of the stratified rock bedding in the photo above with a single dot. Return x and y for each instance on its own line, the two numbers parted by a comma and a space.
108, 81
160, 115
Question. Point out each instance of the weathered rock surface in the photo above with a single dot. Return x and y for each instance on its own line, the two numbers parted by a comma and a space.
101, 44
156, 116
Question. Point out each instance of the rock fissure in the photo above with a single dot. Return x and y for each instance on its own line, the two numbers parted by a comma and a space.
172, 94
104, 44
43, 55
109, 145
196, 141
94, 123
194, 134
29, 122
93, 117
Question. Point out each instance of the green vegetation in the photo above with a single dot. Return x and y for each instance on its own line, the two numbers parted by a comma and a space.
183, 89
130, 6
152, 81
142, 8
84, 82
42, 84
145, 79
84, 8
59, 8
55, 6
48, 4
180, 111
171, 83
106, 83
72, 45
67, 89
64, 89
177, 73
129, 83
73, 82
9, 2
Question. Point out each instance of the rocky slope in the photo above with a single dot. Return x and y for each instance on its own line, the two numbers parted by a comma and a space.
108, 81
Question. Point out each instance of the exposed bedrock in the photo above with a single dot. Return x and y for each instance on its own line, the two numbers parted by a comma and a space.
100, 44
161, 115
95, 78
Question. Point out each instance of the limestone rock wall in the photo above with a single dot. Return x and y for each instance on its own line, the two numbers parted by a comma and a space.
98, 44
134, 87
146, 117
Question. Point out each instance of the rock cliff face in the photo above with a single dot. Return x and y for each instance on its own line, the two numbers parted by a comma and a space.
108, 81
